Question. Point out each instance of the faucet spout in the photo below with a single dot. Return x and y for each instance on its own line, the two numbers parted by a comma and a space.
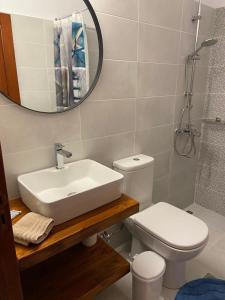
60, 154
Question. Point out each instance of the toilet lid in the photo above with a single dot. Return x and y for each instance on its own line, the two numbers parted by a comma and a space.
173, 226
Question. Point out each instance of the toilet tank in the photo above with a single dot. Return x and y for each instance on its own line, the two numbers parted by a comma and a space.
138, 173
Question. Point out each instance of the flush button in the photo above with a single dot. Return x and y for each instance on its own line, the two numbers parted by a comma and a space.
136, 159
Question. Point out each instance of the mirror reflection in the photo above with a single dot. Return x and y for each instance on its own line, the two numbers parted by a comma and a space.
53, 54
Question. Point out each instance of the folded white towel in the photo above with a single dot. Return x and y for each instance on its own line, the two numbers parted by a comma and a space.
32, 228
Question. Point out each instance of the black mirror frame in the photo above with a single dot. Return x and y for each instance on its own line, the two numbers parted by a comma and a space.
99, 69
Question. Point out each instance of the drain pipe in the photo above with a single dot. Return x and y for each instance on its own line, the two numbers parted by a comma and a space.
107, 236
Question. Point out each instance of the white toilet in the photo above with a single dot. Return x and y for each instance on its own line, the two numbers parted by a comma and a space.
171, 232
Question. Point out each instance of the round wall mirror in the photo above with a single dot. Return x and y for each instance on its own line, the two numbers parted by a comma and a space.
50, 53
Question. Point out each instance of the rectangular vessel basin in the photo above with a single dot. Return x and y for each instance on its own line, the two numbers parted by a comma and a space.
70, 192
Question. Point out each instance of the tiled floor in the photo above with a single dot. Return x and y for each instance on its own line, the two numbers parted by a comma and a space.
211, 260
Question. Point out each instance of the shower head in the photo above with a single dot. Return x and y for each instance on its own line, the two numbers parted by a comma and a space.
205, 43
208, 43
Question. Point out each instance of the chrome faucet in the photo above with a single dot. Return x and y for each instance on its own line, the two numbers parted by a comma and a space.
60, 154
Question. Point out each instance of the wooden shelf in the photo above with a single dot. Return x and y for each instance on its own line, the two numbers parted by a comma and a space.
77, 273
68, 234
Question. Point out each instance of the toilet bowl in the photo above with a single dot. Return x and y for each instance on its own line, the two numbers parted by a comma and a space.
169, 231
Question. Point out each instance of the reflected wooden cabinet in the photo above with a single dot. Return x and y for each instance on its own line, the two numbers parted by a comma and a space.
8, 73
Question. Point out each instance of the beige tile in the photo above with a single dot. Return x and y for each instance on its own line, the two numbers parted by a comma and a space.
118, 80
181, 198
156, 79
162, 164
108, 149
119, 36
165, 13
161, 190
30, 130
190, 8
196, 112
200, 82
126, 8
158, 44
154, 141
36, 159
103, 118
154, 111
187, 44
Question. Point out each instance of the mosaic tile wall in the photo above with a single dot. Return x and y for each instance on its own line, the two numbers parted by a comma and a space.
210, 184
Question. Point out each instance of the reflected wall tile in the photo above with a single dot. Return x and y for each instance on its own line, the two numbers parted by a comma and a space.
30, 55
166, 13
27, 29
32, 79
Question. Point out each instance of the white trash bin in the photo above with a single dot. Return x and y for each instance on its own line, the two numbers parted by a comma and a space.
147, 270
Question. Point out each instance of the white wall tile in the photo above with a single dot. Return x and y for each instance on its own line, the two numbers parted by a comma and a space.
158, 44
165, 13
22, 130
103, 118
156, 79
118, 80
154, 111
126, 8
120, 37
119, 125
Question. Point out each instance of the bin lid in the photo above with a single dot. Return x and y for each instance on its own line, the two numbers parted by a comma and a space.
149, 266
134, 162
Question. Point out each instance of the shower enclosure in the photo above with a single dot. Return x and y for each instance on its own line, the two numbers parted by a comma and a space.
201, 140
186, 129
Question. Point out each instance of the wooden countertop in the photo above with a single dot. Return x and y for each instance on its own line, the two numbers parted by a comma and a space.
68, 234
78, 273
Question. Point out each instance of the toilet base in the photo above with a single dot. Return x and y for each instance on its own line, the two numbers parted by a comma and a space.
174, 277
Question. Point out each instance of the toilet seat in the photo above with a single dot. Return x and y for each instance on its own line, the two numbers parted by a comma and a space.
172, 226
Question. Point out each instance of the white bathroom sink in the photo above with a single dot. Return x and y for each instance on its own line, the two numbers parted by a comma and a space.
65, 194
